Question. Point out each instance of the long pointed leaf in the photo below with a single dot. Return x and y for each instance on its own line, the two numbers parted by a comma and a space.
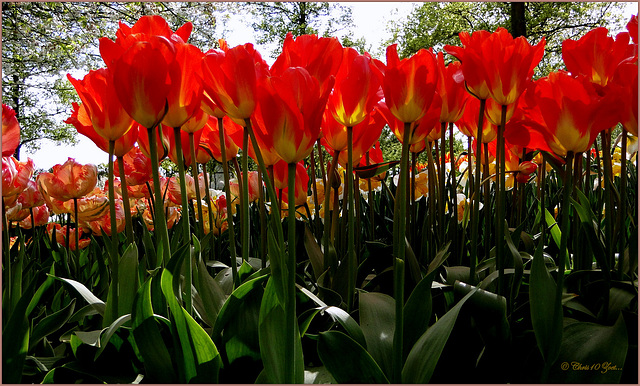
347, 361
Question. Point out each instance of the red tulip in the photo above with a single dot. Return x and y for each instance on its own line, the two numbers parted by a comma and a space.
210, 139
632, 27
355, 93
281, 177
409, 84
137, 167
185, 95
254, 186
572, 111
151, 26
162, 147
596, 55
31, 196
419, 129
15, 175
365, 135
451, 90
69, 180
10, 131
473, 54
174, 188
321, 57
624, 85
290, 108
82, 122
98, 94
231, 77
468, 123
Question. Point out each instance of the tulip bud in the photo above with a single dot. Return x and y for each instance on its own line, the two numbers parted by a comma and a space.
527, 167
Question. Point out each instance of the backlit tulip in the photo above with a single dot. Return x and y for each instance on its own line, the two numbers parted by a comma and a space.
10, 131
98, 94
69, 180
162, 148
40, 218
280, 172
451, 90
475, 51
409, 84
61, 234
365, 135
30, 197
290, 108
596, 55
355, 92
510, 65
185, 95
254, 186
174, 188
137, 167
210, 139
82, 122
103, 223
321, 57
572, 111
468, 123
625, 86
231, 77
15, 175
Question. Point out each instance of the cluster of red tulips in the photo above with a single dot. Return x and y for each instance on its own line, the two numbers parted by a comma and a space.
173, 100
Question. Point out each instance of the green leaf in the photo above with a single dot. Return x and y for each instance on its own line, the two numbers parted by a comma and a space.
210, 292
374, 170
348, 361
591, 353
96, 303
555, 228
417, 313
154, 352
517, 261
234, 302
104, 339
278, 267
316, 257
589, 225
424, 356
127, 279
546, 314
14, 350
51, 324
273, 339
208, 359
489, 311
377, 319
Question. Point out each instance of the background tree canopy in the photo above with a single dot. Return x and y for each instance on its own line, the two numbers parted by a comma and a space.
42, 42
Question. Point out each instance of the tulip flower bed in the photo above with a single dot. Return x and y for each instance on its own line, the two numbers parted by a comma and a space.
514, 261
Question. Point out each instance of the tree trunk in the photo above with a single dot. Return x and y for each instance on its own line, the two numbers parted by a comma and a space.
518, 21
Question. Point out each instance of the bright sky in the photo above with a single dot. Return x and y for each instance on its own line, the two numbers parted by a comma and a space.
370, 21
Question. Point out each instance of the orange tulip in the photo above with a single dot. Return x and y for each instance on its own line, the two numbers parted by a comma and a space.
103, 223
356, 88
15, 175
475, 51
174, 188
231, 77
40, 216
61, 233
254, 186
69, 180
162, 148
290, 108
82, 122
137, 167
31, 197
596, 55
409, 84
10, 131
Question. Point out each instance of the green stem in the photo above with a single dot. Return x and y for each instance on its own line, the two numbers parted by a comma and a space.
77, 234
400, 248
210, 211
454, 198
442, 195
125, 201
328, 259
114, 236
244, 204
351, 255
186, 229
431, 181
290, 305
6, 250
500, 202
475, 218
263, 222
159, 220
622, 219
314, 189
372, 224
227, 192
196, 180
564, 253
